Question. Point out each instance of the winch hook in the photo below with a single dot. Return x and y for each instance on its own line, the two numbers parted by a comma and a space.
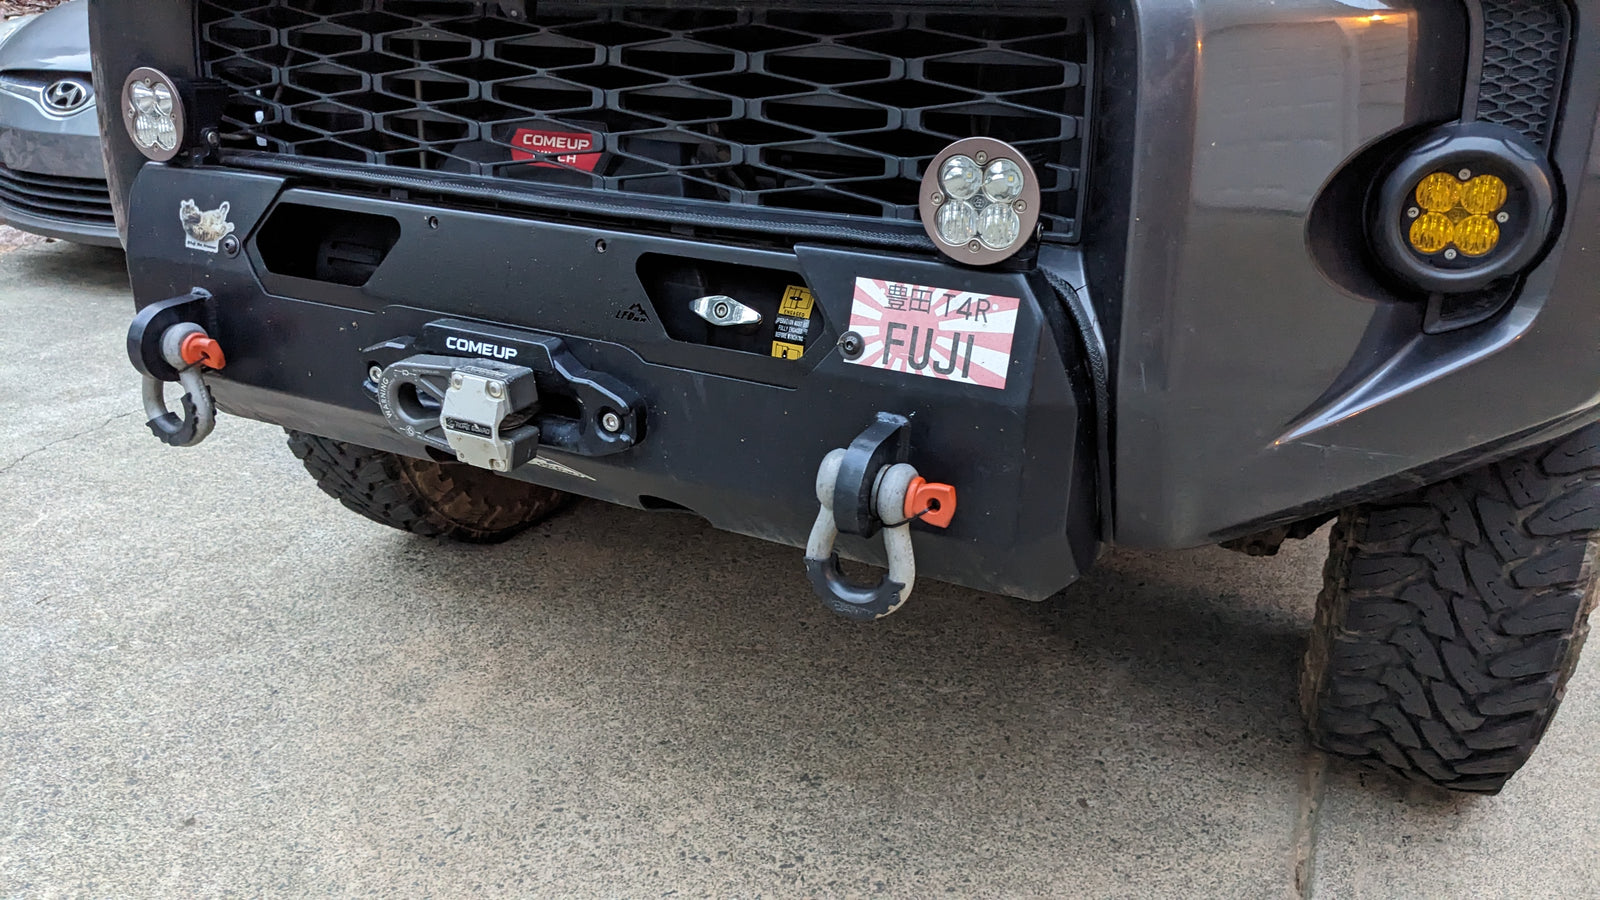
860, 490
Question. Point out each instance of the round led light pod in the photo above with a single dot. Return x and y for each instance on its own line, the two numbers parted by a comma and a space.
980, 201
152, 110
1465, 205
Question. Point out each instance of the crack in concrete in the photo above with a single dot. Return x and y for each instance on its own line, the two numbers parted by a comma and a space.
1312, 784
59, 441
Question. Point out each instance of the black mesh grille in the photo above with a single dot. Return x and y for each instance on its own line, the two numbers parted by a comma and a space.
1524, 57
84, 200
835, 112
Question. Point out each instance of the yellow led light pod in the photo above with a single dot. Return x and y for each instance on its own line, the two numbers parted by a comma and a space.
1461, 207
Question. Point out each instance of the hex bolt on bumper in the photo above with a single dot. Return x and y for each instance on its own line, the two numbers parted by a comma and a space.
861, 490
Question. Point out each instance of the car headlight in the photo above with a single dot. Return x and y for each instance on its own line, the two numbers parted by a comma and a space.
980, 201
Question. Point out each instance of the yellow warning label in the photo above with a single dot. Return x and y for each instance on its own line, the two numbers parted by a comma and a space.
797, 303
794, 322
786, 350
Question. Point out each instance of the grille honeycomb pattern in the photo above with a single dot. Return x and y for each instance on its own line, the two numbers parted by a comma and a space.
834, 113
1524, 57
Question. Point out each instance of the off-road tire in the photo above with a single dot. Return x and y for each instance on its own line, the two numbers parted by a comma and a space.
433, 499
1452, 617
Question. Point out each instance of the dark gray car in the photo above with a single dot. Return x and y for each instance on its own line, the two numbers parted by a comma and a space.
1143, 273
52, 175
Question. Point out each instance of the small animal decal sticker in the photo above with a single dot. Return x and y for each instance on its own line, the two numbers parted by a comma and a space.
204, 230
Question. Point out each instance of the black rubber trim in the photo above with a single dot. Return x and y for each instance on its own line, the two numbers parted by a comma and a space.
1094, 355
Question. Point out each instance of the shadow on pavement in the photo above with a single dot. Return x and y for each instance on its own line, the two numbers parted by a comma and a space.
1149, 712
75, 266
1141, 633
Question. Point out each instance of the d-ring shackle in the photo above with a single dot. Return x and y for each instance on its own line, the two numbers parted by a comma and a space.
165, 343
863, 489
185, 347
864, 603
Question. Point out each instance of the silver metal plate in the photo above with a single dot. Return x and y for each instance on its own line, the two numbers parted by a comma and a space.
474, 408
724, 311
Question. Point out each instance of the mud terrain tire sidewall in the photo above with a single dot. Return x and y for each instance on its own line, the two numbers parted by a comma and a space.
1452, 617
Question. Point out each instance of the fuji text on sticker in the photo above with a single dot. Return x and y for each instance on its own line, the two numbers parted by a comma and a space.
934, 332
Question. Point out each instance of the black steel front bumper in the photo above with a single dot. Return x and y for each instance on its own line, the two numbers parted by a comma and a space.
735, 437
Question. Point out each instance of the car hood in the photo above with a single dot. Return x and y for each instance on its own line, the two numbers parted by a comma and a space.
57, 41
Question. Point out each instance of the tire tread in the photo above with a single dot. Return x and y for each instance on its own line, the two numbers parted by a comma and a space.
426, 498
1451, 618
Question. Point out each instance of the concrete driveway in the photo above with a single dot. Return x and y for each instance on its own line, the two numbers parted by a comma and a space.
215, 680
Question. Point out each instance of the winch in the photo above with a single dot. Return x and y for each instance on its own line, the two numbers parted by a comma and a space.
519, 391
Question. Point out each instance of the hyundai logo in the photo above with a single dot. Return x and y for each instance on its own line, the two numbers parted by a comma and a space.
67, 95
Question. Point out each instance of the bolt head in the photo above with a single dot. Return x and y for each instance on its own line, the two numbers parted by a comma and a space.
1020, 206
375, 373
937, 199
1450, 254
1503, 218
1465, 174
980, 157
974, 246
1413, 212
457, 381
610, 422
497, 390
720, 310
